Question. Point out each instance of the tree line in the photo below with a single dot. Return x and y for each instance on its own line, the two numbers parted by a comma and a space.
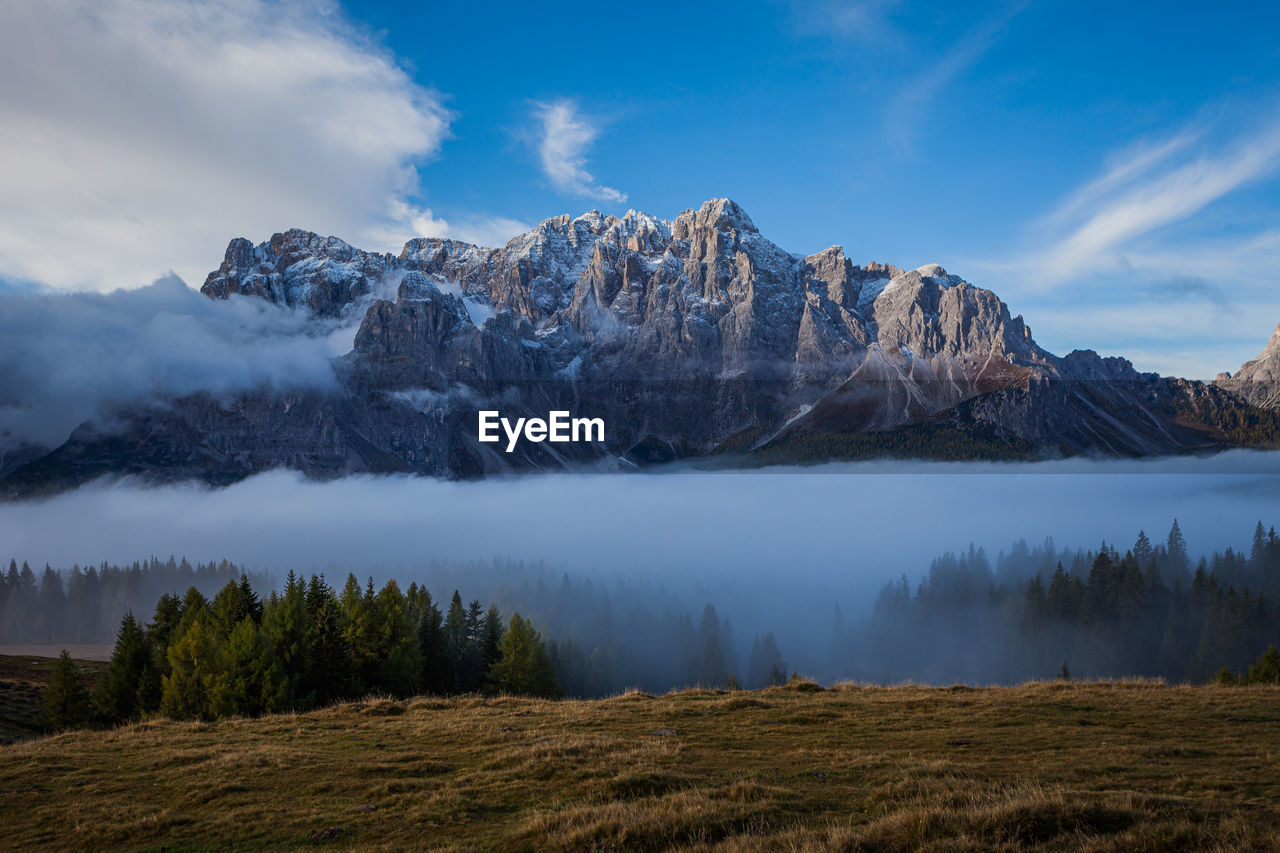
85, 604
1146, 611
304, 647
602, 636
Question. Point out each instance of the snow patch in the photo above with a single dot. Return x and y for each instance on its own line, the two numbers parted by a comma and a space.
477, 310
870, 290
804, 410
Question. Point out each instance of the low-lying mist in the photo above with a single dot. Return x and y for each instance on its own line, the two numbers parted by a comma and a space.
774, 549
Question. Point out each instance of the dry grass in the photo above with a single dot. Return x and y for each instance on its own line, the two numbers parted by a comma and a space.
23, 679
1052, 766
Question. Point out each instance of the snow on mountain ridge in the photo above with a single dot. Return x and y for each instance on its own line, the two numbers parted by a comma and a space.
706, 286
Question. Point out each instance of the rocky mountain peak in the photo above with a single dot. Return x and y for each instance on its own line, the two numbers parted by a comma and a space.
299, 269
932, 271
718, 214
640, 232
877, 270
1258, 380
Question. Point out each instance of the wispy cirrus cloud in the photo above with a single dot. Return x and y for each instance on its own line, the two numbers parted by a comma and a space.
910, 105
564, 138
1136, 261
1123, 167
1157, 186
881, 23
140, 135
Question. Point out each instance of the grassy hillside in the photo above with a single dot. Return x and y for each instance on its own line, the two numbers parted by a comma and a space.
23, 679
1043, 766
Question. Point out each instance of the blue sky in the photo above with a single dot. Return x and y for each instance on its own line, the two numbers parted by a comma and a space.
1110, 172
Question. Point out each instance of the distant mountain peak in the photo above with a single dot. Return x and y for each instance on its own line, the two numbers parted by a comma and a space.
1258, 380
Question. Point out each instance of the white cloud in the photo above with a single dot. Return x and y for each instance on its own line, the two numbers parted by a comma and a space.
66, 357
403, 222
141, 135
565, 138
406, 222
1136, 199
489, 231
1125, 167
1134, 261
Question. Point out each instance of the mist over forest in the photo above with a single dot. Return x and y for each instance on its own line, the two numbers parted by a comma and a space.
880, 572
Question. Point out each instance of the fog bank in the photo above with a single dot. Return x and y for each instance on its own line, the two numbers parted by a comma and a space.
835, 531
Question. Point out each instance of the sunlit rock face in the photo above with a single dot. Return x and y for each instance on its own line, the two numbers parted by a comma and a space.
1258, 381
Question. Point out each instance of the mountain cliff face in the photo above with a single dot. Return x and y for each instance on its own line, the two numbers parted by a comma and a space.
695, 337
1258, 381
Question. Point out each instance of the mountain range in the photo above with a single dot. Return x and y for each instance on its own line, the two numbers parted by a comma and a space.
693, 339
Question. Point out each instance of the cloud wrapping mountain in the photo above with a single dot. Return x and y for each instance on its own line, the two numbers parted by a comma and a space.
66, 358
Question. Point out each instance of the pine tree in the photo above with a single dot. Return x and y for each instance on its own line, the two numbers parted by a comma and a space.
432, 649
493, 632
286, 631
130, 684
525, 667
21, 608
1061, 601
399, 666
766, 666
26, 580
1034, 608
318, 592
1178, 563
474, 657
185, 690
252, 604
193, 603
710, 668
246, 679
164, 624
1142, 550
225, 609
455, 643
1267, 668
330, 676
52, 604
358, 633
65, 703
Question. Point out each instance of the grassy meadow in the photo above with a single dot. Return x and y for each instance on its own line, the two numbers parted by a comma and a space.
1051, 766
